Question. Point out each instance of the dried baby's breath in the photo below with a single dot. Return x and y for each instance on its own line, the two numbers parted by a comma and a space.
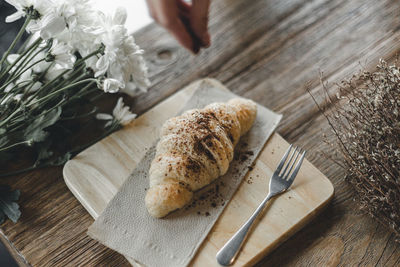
366, 122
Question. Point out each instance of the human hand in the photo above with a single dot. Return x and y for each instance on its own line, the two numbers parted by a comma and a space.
188, 23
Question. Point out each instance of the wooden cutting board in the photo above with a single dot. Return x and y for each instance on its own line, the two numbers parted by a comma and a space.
95, 175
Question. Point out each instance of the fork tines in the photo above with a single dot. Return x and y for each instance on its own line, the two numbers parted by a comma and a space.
296, 155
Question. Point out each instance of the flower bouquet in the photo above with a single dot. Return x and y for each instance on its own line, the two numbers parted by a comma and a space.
50, 84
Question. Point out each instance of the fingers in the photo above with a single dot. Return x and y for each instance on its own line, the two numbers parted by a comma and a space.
188, 23
184, 15
183, 6
167, 14
179, 31
199, 20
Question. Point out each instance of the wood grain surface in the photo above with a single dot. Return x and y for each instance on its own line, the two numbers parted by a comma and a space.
96, 174
257, 45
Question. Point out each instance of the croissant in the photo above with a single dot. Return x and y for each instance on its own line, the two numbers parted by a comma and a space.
195, 149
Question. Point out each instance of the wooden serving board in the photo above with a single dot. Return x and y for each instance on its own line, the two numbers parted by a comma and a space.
95, 175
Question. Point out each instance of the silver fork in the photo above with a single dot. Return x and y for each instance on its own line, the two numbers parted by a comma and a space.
278, 184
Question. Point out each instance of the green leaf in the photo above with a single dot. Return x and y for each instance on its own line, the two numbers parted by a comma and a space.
61, 160
35, 131
3, 141
43, 150
12, 138
8, 205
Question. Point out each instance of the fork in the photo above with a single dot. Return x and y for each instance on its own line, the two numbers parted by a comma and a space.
278, 184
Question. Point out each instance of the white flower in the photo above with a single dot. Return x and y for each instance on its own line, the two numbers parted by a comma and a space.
122, 59
53, 73
26, 77
41, 7
25, 80
111, 61
77, 28
36, 86
18, 97
12, 58
20, 6
52, 24
63, 56
130, 89
73, 16
120, 16
74, 22
37, 68
105, 117
121, 114
41, 66
9, 87
136, 69
110, 85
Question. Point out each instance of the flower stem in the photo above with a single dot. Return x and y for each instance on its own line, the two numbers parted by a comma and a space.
26, 91
73, 73
60, 90
29, 50
115, 126
45, 86
19, 35
79, 61
24, 68
24, 63
24, 45
71, 78
84, 91
44, 98
15, 144
9, 117
20, 73
12, 89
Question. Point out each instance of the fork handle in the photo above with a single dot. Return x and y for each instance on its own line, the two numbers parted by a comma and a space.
227, 254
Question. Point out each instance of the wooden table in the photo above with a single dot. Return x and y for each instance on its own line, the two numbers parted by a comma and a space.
265, 50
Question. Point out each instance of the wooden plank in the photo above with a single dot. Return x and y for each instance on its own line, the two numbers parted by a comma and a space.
252, 45
95, 175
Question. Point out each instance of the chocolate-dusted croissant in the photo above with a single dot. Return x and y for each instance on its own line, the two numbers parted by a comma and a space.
195, 149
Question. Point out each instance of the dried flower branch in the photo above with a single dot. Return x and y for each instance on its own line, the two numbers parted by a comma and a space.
365, 119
